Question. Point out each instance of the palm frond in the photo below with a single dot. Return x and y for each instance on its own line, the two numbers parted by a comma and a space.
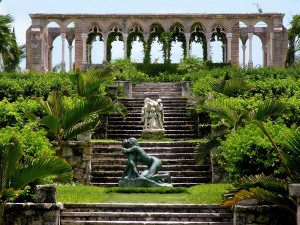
267, 182
10, 155
203, 149
80, 128
291, 155
271, 107
262, 195
223, 110
100, 105
41, 167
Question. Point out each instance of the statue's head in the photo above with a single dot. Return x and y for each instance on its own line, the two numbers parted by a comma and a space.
128, 143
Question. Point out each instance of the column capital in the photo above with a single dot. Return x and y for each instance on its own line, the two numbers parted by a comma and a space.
187, 35
125, 35
84, 36
250, 35
228, 35
63, 35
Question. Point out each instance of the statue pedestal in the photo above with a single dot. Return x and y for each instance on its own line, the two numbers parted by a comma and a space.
154, 134
158, 180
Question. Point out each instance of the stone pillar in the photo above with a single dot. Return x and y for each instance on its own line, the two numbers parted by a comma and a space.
70, 58
294, 191
104, 37
229, 39
250, 62
84, 38
208, 37
50, 57
63, 64
244, 54
271, 49
89, 47
125, 37
187, 43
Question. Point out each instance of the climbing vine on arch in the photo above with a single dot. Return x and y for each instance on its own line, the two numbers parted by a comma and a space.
114, 36
178, 35
156, 31
134, 36
198, 36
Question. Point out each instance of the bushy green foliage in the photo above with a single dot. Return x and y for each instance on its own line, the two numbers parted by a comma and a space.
191, 64
124, 70
247, 151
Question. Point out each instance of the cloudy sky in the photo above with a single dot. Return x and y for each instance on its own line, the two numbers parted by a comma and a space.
20, 9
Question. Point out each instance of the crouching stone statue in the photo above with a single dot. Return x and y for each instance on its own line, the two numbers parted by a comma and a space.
149, 177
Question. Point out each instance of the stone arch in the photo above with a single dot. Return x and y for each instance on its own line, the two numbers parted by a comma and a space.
153, 52
178, 35
198, 38
135, 41
115, 34
94, 44
218, 50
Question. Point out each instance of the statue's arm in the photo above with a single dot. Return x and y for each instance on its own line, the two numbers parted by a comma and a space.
130, 150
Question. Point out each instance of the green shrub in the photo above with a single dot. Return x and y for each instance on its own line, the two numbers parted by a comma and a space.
247, 151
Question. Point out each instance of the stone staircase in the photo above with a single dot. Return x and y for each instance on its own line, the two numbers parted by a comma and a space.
144, 214
178, 124
178, 159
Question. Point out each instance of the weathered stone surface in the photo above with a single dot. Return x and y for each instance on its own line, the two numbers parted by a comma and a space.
153, 134
45, 194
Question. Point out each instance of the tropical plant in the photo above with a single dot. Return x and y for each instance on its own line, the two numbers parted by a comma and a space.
268, 188
10, 52
16, 173
66, 117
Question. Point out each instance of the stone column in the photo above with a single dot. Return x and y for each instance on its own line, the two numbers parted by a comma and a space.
271, 50
105, 38
63, 64
250, 62
244, 54
50, 58
70, 58
187, 43
125, 37
208, 37
294, 191
84, 37
229, 39
89, 46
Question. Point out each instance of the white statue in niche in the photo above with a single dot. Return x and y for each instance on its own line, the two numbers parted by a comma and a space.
152, 114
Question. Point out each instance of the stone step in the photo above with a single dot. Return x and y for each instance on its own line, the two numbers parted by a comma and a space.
96, 166
115, 184
138, 213
118, 173
142, 223
149, 150
107, 156
145, 207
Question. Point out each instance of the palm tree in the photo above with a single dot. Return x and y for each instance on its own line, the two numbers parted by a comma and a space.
16, 174
10, 52
63, 122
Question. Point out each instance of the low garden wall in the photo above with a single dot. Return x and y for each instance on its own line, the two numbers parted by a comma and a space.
79, 155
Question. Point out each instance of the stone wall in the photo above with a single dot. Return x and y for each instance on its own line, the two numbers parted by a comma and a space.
79, 155
262, 215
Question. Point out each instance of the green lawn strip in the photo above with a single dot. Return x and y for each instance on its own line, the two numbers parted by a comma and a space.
200, 194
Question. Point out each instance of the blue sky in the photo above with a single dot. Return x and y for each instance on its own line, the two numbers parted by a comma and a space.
20, 9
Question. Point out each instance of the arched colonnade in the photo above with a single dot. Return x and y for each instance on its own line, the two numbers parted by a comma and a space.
201, 28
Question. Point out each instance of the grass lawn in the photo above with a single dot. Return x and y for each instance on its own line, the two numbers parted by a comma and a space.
200, 194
